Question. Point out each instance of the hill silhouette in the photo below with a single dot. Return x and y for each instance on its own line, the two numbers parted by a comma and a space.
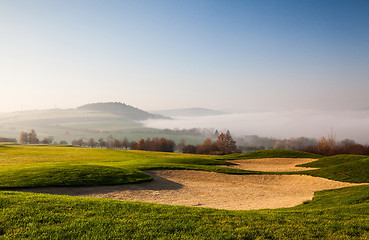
122, 110
90, 120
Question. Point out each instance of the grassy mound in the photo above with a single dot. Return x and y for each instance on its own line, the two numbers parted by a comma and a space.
333, 160
356, 172
70, 175
271, 153
40, 166
346, 168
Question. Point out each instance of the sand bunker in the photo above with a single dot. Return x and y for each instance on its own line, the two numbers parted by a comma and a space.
209, 189
272, 164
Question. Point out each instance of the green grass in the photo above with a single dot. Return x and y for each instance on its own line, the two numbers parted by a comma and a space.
42, 216
347, 168
38, 166
70, 175
334, 160
332, 214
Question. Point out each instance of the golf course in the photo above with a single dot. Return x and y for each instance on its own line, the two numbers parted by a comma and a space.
64, 192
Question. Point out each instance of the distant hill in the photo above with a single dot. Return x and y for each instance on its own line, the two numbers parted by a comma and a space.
190, 112
122, 110
90, 120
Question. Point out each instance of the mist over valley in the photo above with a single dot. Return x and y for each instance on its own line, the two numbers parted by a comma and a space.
279, 124
121, 120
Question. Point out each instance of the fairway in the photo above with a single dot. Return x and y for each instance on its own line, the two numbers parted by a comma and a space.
216, 190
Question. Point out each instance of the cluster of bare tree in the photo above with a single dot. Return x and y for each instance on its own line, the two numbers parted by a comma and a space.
28, 138
48, 140
155, 144
198, 132
295, 143
31, 138
223, 145
8, 140
253, 142
110, 142
328, 146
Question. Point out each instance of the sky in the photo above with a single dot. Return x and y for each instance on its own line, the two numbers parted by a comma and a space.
235, 55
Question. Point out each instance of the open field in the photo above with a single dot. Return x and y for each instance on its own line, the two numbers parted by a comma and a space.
335, 214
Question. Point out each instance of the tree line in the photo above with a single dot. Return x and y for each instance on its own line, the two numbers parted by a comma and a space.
328, 146
155, 144
224, 144
31, 138
8, 140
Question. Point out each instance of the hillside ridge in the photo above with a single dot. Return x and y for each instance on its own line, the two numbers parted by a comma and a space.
122, 110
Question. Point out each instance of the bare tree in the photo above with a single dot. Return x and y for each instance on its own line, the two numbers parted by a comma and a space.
32, 137
133, 145
48, 140
117, 144
207, 147
102, 143
226, 144
189, 149
78, 142
110, 142
325, 146
23, 138
279, 145
181, 145
125, 143
92, 143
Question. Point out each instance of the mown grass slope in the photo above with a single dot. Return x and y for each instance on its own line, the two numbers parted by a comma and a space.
35, 166
347, 168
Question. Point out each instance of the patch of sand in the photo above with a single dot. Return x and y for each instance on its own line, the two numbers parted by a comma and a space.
210, 189
272, 164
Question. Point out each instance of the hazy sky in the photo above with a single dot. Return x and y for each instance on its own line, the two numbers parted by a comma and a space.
244, 55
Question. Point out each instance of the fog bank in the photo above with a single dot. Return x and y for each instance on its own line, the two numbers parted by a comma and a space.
283, 124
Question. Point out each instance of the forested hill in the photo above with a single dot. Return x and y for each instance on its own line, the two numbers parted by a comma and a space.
121, 109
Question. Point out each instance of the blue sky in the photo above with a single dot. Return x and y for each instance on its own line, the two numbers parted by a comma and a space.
232, 55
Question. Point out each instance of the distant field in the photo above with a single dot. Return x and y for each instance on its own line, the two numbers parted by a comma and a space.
332, 214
